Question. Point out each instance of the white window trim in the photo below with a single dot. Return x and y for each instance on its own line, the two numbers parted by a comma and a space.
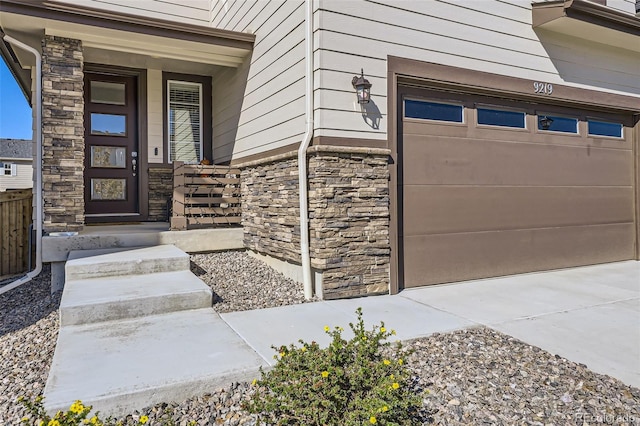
201, 107
12, 169
539, 114
600, 120
500, 108
436, 101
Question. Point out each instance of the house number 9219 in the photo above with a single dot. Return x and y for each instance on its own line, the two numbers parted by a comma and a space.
543, 88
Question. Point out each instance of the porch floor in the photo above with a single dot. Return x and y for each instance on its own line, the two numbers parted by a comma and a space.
143, 234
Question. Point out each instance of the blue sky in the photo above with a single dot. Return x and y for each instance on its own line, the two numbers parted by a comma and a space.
15, 112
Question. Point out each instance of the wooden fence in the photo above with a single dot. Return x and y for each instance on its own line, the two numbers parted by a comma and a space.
205, 196
15, 218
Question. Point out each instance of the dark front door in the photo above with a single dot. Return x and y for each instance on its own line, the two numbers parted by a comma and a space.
111, 148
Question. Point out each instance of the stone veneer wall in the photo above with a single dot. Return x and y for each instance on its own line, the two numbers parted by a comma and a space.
270, 208
63, 134
348, 215
160, 192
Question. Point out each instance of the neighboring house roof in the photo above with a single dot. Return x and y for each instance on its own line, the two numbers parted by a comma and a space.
16, 148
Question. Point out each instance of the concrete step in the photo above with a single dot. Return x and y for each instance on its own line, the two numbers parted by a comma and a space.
120, 366
113, 298
84, 264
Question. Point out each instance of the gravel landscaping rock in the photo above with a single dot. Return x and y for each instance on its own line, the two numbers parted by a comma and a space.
480, 376
468, 377
28, 333
241, 282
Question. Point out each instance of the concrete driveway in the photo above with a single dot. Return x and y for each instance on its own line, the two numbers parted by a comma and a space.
589, 315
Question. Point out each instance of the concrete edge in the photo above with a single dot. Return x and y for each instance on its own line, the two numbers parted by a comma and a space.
125, 403
118, 268
134, 307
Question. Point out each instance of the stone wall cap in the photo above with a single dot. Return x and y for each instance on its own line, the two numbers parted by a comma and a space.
317, 149
349, 150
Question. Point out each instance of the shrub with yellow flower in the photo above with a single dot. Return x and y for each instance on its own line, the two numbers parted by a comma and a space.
76, 415
351, 382
76, 407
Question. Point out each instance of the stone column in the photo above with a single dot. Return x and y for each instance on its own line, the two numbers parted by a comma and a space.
349, 219
63, 134
160, 192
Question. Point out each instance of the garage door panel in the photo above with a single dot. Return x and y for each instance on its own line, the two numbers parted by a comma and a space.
453, 209
455, 161
471, 132
431, 259
436, 129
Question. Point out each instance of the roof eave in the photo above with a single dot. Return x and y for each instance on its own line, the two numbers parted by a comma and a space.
586, 11
73, 13
21, 76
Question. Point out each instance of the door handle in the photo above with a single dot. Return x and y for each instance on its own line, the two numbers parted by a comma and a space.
134, 162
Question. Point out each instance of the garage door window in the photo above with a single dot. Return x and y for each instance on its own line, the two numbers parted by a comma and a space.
433, 111
554, 123
502, 118
603, 128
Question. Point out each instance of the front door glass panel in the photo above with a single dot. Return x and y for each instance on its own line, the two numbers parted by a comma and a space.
108, 124
105, 92
109, 156
108, 189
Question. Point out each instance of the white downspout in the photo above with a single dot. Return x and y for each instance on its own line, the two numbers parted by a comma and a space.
38, 166
302, 155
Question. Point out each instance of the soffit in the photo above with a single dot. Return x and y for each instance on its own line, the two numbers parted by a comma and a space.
125, 33
588, 20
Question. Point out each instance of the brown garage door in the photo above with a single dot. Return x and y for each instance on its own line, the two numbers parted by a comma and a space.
492, 187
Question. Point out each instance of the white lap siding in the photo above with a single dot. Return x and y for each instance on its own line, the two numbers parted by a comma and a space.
260, 106
194, 12
484, 35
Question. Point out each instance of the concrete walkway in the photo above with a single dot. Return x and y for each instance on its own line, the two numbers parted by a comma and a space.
137, 327
589, 315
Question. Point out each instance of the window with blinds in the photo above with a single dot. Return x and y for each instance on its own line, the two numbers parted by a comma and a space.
185, 121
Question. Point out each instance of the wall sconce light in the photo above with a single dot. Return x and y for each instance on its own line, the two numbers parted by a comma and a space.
545, 122
363, 88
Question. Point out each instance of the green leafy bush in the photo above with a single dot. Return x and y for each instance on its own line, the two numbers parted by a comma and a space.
77, 414
360, 381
